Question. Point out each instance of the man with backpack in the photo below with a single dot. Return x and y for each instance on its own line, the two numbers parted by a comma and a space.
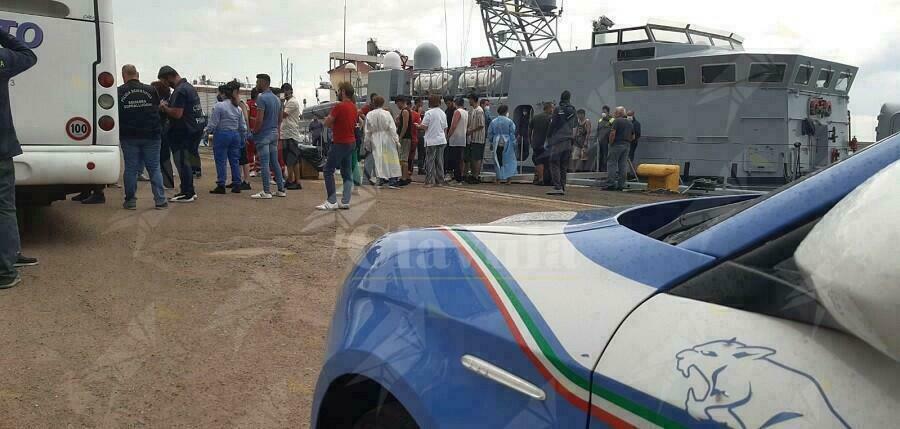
187, 124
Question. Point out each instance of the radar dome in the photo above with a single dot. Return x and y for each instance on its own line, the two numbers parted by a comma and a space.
392, 61
427, 56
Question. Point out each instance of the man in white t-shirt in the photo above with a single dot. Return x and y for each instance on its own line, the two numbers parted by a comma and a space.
290, 136
457, 141
434, 124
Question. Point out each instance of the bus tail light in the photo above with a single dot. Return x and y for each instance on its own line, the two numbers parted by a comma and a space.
106, 123
91, 166
106, 101
106, 79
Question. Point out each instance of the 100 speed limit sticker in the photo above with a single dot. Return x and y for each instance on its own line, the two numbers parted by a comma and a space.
78, 129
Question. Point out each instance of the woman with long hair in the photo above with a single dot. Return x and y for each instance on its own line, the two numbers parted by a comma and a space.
226, 124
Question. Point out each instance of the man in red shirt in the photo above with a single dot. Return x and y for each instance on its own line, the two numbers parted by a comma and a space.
342, 121
416, 120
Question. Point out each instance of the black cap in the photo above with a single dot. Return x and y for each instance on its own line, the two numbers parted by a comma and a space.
165, 72
287, 87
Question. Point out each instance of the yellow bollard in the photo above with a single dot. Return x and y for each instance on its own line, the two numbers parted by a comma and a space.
660, 176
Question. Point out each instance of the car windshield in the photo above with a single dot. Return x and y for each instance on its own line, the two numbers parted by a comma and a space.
675, 234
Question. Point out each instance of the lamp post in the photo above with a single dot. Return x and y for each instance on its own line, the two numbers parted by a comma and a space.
351, 67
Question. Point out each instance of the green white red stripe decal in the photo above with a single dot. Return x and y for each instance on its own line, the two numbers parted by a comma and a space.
606, 406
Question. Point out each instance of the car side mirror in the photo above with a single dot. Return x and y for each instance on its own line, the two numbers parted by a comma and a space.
851, 259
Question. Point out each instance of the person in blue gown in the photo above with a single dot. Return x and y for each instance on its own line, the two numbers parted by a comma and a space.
502, 137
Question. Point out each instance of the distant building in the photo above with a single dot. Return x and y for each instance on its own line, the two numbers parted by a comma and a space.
359, 78
208, 94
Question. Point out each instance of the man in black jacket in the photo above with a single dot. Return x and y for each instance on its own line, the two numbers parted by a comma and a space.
186, 129
139, 132
15, 58
560, 137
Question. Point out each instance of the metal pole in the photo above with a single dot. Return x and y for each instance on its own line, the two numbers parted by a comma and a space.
345, 32
282, 69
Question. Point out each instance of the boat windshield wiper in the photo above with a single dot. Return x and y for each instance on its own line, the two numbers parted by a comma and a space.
693, 219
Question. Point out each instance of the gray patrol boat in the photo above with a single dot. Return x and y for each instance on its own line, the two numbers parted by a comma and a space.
705, 104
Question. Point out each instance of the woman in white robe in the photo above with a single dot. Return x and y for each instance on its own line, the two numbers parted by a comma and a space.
383, 143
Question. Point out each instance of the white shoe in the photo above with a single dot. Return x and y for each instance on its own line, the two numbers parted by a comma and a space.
262, 195
281, 194
252, 174
327, 207
343, 206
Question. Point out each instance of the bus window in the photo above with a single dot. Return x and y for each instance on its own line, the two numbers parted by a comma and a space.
49, 8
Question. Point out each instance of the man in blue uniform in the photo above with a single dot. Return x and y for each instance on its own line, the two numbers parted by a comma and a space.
185, 131
140, 135
15, 58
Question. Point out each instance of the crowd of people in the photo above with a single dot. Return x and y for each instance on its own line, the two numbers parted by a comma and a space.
163, 122
562, 141
261, 136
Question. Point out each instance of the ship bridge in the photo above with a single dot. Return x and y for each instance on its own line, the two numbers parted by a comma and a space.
657, 31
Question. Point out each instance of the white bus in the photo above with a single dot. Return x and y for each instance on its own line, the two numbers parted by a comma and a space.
64, 107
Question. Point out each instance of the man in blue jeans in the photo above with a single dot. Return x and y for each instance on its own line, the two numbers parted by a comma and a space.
140, 135
342, 122
15, 58
265, 134
185, 129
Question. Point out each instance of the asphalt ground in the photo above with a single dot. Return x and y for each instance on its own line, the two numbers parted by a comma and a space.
207, 314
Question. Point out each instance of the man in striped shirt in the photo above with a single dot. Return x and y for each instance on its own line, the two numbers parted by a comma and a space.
476, 134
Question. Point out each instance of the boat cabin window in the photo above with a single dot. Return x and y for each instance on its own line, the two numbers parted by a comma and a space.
636, 35
636, 54
606, 38
720, 42
669, 36
767, 73
720, 73
700, 39
843, 82
670, 76
804, 74
825, 78
635, 78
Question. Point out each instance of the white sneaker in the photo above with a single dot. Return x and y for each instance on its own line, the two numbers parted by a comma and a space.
343, 206
281, 194
327, 207
252, 174
261, 195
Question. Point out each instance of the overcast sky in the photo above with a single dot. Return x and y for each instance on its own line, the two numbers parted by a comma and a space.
224, 39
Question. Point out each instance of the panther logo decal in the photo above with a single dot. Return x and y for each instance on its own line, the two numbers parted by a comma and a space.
740, 386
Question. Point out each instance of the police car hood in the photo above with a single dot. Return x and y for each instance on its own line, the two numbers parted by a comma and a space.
567, 280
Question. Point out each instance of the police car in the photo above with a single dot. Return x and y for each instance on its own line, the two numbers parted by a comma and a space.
737, 311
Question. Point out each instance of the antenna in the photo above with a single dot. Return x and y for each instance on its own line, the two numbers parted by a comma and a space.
520, 27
